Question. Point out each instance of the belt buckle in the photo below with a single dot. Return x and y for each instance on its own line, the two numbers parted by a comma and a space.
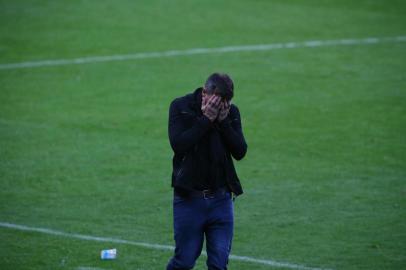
208, 194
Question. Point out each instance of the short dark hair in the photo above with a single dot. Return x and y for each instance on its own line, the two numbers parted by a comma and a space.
220, 84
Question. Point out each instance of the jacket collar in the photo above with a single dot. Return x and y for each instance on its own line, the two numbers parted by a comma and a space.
197, 100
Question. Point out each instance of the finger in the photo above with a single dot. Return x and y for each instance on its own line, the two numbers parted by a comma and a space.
217, 101
212, 108
210, 105
211, 100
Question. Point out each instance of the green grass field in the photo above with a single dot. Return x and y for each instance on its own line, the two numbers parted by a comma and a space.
84, 148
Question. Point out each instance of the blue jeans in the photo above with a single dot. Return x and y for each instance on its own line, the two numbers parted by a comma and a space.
194, 218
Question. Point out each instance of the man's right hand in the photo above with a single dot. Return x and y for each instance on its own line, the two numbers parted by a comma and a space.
211, 109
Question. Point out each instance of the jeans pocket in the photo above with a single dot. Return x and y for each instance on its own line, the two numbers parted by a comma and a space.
178, 199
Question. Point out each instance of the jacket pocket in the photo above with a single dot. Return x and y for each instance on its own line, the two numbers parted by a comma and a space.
188, 117
180, 171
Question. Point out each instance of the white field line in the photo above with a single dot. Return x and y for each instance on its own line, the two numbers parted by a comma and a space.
89, 268
172, 53
151, 246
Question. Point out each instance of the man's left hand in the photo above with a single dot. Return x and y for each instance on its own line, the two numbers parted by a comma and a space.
224, 110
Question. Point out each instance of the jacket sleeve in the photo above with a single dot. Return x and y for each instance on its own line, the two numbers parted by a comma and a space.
231, 130
181, 137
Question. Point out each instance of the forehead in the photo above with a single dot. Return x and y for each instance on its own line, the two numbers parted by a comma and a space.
212, 94
209, 93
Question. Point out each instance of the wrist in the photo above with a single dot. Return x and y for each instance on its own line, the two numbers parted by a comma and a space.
220, 120
211, 120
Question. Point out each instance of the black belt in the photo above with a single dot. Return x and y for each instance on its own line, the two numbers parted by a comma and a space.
206, 194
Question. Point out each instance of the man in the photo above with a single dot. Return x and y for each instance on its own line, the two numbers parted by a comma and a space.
204, 133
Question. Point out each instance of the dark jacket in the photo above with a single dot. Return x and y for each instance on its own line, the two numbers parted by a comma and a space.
187, 127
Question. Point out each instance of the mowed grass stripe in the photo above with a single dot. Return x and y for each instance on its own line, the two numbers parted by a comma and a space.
148, 245
193, 51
